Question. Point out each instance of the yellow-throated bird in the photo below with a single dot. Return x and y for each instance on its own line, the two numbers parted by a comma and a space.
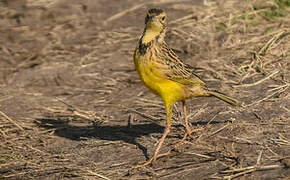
166, 75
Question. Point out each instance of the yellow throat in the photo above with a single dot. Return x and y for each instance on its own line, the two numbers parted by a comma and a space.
152, 30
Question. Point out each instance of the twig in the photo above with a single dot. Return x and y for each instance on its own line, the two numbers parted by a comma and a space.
256, 39
212, 118
286, 109
11, 120
238, 174
243, 139
154, 119
96, 174
5, 98
200, 155
124, 12
190, 16
220, 129
76, 111
198, 112
270, 43
151, 118
249, 169
258, 82
37, 150
131, 119
276, 92
188, 167
259, 158
3, 134
81, 115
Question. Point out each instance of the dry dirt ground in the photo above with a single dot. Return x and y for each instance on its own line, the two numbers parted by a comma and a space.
73, 107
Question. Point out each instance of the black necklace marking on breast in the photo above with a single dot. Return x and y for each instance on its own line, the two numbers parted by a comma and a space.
143, 47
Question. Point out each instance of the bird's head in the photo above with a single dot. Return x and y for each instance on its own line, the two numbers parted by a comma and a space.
156, 20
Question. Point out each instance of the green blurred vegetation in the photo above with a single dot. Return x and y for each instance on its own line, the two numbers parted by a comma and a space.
269, 10
274, 8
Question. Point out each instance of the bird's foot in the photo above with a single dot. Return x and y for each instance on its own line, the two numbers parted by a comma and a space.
190, 131
143, 164
151, 160
187, 134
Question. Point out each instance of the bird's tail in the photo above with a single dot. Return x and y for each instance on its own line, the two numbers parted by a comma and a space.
225, 98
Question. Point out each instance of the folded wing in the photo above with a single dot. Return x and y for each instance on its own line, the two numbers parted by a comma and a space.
174, 69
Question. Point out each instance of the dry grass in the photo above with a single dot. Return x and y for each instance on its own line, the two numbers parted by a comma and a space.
72, 106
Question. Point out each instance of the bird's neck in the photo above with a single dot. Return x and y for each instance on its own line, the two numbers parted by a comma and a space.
149, 38
151, 35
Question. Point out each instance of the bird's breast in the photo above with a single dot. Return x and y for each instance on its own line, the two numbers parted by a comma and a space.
155, 79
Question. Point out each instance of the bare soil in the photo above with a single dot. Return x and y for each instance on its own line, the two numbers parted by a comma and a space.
73, 107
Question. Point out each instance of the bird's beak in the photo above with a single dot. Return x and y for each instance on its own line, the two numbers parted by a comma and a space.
152, 22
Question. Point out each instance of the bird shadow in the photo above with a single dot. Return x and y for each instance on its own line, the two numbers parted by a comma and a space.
123, 133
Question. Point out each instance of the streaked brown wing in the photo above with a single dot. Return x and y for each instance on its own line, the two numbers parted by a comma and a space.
174, 69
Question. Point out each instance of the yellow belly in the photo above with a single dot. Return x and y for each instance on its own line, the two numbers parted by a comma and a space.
170, 91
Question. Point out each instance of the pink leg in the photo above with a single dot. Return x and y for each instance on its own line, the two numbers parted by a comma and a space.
187, 127
165, 133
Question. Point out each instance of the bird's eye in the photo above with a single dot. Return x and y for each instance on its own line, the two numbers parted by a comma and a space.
163, 18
